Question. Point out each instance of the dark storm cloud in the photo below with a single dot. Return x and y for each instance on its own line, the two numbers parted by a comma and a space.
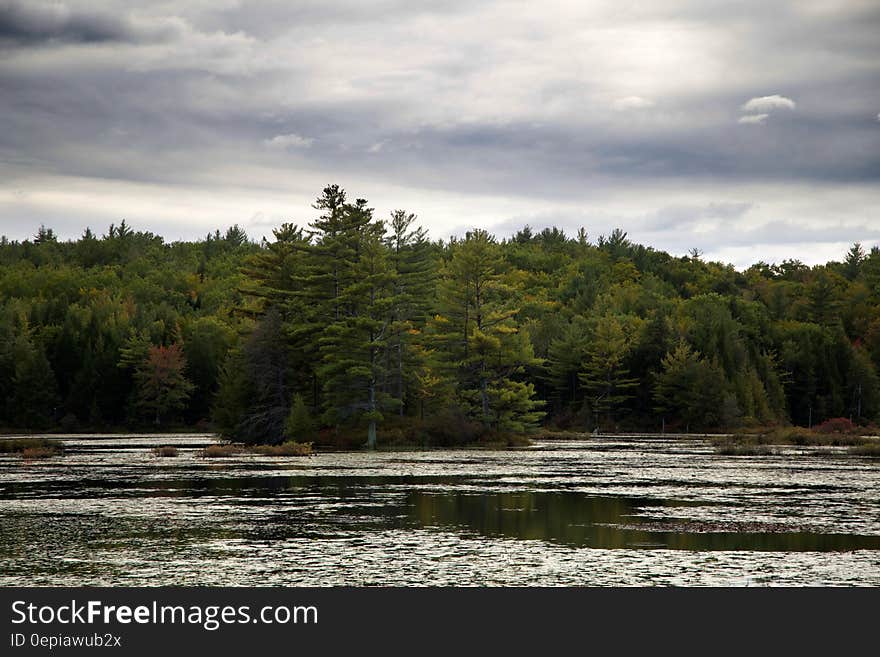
30, 23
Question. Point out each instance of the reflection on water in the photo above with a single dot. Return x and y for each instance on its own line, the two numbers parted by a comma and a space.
599, 511
612, 523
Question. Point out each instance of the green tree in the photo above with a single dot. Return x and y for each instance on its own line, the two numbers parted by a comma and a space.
413, 281
566, 356
852, 265
352, 345
206, 342
483, 349
692, 389
34, 399
300, 424
605, 375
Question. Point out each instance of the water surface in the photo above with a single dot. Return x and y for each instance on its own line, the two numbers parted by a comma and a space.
596, 511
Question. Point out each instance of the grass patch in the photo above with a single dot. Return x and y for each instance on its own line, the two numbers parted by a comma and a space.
872, 449
32, 448
495, 440
743, 449
221, 451
166, 451
290, 448
796, 436
39, 452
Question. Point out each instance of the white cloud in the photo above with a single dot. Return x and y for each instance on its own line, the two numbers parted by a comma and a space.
632, 103
292, 140
768, 103
753, 119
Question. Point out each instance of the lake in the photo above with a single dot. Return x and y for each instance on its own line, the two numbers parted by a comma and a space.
596, 511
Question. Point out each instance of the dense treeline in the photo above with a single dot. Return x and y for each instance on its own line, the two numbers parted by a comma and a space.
352, 327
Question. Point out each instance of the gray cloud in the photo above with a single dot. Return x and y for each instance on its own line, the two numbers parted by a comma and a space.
502, 109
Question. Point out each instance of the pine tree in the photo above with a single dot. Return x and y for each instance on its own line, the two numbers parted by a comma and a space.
852, 264
231, 404
352, 345
278, 283
477, 335
605, 376
566, 356
267, 365
823, 300
300, 425
692, 389
413, 291
34, 389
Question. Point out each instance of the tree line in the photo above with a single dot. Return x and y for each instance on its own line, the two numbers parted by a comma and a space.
351, 329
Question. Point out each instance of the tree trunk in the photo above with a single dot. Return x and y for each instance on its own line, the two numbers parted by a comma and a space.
484, 396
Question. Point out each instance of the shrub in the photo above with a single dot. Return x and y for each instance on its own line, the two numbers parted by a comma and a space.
69, 422
837, 425
449, 429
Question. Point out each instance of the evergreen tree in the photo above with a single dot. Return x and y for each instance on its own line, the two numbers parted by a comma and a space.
352, 345
692, 389
267, 376
34, 397
413, 292
566, 356
605, 375
483, 348
852, 264
300, 425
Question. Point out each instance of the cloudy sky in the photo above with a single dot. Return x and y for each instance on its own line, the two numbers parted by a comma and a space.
748, 129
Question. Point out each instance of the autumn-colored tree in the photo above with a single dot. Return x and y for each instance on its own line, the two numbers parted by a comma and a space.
162, 385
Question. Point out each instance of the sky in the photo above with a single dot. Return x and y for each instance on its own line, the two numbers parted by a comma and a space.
749, 130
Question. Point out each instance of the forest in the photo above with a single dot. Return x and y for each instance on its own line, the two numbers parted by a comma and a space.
350, 329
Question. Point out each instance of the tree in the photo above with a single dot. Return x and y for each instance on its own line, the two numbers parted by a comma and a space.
353, 342
413, 281
232, 401
863, 386
267, 377
823, 299
162, 385
852, 264
604, 375
300, 425
235, 236
482, 346
34, 397
566, 356
691, 389
45, 235
206, 342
